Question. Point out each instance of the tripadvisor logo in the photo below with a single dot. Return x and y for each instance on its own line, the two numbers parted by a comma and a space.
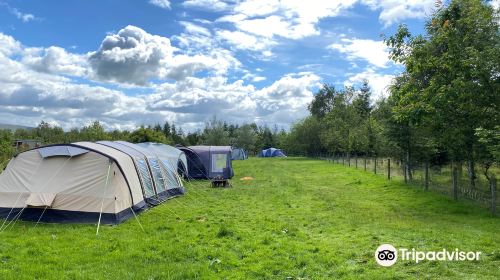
387, 255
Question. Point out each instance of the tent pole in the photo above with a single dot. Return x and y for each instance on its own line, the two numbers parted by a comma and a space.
103, 195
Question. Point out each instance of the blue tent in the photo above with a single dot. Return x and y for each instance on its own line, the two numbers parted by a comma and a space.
238, 153
208, 162
272, 152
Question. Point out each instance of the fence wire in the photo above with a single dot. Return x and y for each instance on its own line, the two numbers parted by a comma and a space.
440, 177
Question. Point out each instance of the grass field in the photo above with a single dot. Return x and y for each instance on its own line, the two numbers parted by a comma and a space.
298, 219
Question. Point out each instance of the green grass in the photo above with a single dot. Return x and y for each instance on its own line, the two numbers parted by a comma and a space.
298, 218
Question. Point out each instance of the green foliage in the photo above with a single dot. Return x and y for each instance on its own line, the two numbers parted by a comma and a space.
490, 140
93, 132
216, 133
304, 138
6, 149
323, 101
245, 137
49, 134
451, 83
341, 121
144, 134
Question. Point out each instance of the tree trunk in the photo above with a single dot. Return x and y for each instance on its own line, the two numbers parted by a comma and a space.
408, 163
454, 182
471, 166
426, 172
405, 174
493, 189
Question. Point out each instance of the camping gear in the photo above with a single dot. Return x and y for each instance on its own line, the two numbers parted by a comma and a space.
272, 152
84, 182
238, 154
208, 162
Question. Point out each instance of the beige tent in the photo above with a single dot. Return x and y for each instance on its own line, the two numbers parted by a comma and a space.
81, 182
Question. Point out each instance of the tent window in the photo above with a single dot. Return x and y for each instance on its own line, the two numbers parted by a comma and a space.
146, 178
219, 162
66, 151
170, 170
155, 168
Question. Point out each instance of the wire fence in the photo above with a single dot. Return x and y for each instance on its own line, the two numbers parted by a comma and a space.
452, 179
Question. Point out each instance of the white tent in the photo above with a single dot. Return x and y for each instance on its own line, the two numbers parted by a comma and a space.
83, 182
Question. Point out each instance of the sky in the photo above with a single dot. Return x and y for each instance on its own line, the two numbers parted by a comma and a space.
132, 62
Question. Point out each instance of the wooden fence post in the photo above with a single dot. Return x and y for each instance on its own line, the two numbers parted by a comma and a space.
343, 159
375, 166
455, 183
349, 159
426, 172
493, 188
356, 161
405, 173
365, 162
388, 169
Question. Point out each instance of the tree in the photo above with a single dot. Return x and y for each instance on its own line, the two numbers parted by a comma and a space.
361, 101
143, 134
193, 138
6, 149
452, 80
322, 102
166, 129
93, 132
157, 128
245, 137
304, 138
215, 133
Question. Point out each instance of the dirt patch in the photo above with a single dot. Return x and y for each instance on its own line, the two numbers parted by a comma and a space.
246, 178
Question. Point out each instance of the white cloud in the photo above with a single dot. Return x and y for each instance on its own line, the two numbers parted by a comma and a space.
375, 52
195, 29
393, 11
183, 66
8, 45
211, 5
131, 56
164, 4
55, 60
293, 19
252, 77
378, 82
495, 4
286, 98
267, 27
245, 41
24, 17
32, 89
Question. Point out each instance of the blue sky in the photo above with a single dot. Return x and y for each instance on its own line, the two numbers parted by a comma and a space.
134, 62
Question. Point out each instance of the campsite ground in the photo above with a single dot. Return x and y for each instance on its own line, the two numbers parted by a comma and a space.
297, 218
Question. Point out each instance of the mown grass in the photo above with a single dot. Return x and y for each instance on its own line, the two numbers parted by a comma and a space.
298, 218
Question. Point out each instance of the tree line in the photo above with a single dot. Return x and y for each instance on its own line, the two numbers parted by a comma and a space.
251, 137
444, 107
